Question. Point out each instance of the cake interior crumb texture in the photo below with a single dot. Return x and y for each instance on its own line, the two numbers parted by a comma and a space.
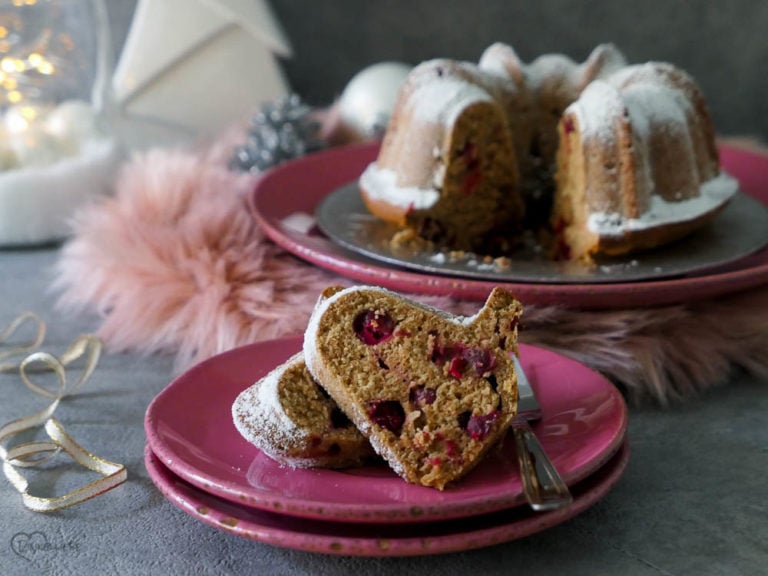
289, 417
431, 391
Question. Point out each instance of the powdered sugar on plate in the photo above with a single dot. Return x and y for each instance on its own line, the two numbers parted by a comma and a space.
714, 193
300, 222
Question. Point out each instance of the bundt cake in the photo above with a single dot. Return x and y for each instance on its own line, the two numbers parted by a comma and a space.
608, 158
291, 419
432, 392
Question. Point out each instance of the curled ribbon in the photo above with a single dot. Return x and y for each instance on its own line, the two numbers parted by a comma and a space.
31, 454
17, 325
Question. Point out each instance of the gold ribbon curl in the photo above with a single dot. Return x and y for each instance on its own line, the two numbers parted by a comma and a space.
30, 454
16, 325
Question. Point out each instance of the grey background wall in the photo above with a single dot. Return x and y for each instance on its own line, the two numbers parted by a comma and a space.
723, 43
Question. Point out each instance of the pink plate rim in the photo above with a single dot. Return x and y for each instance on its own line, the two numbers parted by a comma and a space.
303, 182
188, 425
376, 540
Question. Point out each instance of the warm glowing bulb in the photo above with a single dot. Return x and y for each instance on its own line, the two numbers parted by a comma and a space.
7, 65
46, 68
35, 59
28, 113
18, 2
16, 124
10, 64
31, 2
10, 83
14, 96
3, 31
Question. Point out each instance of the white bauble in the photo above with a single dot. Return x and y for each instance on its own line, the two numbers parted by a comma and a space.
368, 99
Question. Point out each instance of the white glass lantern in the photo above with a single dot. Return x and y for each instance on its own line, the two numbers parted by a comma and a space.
56, 147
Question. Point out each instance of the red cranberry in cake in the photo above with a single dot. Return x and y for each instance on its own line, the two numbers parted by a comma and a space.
458, 356
422, 395
456, 367
473, 175
478, 427
480, 359
387, 414
373, 326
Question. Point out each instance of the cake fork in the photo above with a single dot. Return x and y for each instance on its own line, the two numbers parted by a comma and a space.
542, 484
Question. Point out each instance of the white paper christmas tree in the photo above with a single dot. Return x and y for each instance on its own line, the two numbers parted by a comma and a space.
198, 65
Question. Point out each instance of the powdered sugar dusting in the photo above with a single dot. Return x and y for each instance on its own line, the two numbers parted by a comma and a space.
259, 416
309, 346
648, 102
381, 184
648, 73
714, 193
300, 222
549, 66
595, 110
652, 106
441, 99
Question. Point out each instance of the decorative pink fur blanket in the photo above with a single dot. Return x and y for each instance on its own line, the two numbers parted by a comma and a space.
174, 263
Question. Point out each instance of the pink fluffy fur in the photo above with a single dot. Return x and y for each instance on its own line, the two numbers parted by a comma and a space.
666, 354
175, 263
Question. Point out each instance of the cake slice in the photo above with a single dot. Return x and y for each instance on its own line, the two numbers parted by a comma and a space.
431, 391
289, 417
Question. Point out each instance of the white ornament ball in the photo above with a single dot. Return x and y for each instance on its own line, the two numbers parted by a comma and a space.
368, 99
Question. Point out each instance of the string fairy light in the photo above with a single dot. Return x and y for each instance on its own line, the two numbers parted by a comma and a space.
44, 114
29, 52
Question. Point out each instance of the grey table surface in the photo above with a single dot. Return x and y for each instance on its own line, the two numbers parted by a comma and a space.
693, 499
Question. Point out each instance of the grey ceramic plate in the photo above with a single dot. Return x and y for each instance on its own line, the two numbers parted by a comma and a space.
739, 230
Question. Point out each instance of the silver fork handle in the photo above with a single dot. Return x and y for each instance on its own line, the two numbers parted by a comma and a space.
543, 486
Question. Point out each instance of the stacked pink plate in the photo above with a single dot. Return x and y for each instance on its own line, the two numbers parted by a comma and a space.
295, 202
200, 463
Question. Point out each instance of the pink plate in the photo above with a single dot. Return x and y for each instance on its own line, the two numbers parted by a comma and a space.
378, 539
189, 427
298, 187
